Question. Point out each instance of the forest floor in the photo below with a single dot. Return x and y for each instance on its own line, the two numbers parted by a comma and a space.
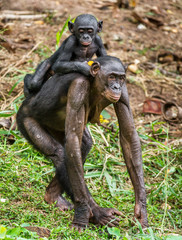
148, 39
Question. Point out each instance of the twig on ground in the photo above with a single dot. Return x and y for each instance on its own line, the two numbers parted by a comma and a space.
23, 60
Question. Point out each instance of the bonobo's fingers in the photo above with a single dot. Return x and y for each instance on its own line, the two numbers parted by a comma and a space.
105, 216
141, 214
110, 224
116, 212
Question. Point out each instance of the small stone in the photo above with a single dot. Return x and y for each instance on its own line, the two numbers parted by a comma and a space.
141, 27
133, 68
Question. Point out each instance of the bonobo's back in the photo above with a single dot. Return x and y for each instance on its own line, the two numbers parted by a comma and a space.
52, 95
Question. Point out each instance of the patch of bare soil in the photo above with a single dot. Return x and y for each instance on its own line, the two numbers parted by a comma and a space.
148, 38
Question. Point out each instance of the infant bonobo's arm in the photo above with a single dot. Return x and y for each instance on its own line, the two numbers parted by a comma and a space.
36, 79
101, 49
130, 144
64, 65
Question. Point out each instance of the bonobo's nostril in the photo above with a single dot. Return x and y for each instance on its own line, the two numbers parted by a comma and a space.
115, 86
86, 36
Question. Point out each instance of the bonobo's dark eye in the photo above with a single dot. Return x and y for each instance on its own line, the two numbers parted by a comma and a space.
81, 30
90, 30
111, 77
122, 78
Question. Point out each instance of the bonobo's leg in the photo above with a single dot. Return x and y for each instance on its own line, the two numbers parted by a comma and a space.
54, 190
27, 79
74, 127
100, 216
54, 194
44, 142
132, 154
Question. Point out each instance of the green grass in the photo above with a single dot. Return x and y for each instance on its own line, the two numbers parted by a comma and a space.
25, 173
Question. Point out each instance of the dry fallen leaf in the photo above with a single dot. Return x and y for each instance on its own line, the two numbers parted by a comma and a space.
167, 205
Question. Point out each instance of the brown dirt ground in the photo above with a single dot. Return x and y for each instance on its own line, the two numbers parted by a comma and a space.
22, 46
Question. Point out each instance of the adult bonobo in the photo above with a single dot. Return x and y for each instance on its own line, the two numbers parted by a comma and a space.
54, 121
72, 54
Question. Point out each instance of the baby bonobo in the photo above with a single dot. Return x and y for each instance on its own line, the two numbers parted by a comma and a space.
56, 126
73, 54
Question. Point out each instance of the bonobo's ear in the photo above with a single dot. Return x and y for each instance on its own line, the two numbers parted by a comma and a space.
125, 67
70, 26
94, 68
100, 23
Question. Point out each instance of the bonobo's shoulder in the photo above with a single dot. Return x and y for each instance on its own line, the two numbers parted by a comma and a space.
98, 40
70, 41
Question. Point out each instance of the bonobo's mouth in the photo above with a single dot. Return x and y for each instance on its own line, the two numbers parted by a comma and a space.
111, 97
85, 43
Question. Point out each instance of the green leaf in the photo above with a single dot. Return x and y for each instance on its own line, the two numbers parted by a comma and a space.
151, 233
139, 226
93, 174
114, 231
2, 232
111, 182
4, 114
172, 170
174, 237
60, 33
14, 86
15, 232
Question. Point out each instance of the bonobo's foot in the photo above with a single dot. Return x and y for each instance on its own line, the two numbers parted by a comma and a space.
141, 214
105, 216
54, 194
82, 215
61, 202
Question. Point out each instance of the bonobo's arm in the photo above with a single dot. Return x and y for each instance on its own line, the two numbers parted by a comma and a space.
42, 69
63, 63
75, 123
132, 154
101, 49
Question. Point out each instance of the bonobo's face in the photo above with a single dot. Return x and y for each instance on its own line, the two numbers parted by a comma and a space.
113, 84
85, 35
109, 80
85, 29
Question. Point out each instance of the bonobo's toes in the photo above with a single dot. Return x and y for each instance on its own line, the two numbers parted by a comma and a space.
105, 216
78, 226
141, 214
63, 204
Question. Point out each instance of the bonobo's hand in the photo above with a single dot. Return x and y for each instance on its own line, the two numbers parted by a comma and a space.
84, 68
141, 214
105, 216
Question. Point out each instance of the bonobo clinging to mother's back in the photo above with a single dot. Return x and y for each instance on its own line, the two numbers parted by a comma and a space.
54, 121
72, 55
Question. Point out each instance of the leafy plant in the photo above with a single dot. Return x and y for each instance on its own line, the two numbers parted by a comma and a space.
62, 31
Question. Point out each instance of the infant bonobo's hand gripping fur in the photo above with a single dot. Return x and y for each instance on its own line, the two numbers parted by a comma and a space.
56, 126
72, 54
